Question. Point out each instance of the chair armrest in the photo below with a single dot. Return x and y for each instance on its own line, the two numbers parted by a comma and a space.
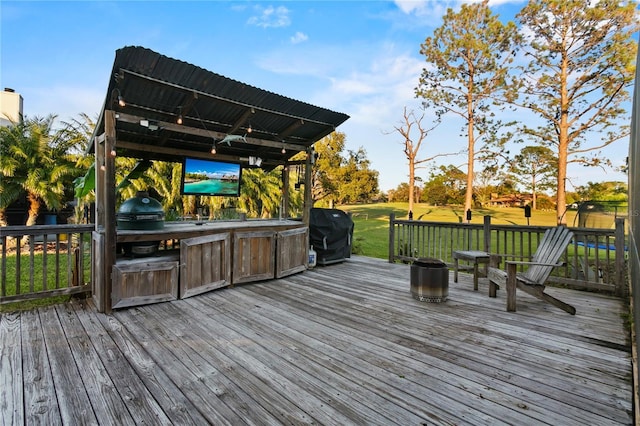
518, 262
496, 258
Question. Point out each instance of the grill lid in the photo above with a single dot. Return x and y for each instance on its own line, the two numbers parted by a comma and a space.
141, 205
141, 209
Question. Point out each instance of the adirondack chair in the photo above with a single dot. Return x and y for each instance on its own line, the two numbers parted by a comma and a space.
553, 244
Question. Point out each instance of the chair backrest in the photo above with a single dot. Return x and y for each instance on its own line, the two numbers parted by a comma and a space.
553, 245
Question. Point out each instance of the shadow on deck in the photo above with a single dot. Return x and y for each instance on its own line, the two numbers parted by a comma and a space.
336, 345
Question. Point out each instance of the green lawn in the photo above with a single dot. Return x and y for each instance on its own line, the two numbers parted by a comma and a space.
371, 233
62, 260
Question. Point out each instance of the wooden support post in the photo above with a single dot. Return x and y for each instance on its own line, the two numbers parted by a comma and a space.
511, 287
285, 192
98, 271
308, 202
392, 230
487, 233
109, 207
621, 284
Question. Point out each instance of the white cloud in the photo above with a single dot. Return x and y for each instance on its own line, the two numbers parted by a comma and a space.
270, 17
299, 37
435, 9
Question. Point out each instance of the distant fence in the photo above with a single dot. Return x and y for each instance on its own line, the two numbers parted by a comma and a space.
44, 261
594, 260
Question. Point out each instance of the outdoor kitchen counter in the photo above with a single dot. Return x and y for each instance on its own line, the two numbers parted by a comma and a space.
189, 229
211, 255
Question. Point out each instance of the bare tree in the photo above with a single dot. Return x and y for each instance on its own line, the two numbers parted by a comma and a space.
414, 134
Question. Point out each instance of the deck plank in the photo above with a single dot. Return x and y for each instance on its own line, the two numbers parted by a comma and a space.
72, 397
41, 406
342, 344
440, 367
106, 399
145, 389
11, 376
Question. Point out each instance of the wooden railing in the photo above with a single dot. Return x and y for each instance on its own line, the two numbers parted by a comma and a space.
594, 260
44, 261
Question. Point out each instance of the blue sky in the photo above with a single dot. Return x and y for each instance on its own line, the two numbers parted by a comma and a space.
357, 57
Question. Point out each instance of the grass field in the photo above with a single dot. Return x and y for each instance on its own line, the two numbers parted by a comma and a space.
371, 232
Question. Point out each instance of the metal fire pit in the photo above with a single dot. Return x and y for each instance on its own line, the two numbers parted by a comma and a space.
429, 280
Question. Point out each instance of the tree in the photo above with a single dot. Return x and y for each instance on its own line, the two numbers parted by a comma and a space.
445, 186
400, 194
335, 178
581, 63
165, 179
603, 191
468, 60
41, 163
412, 144
261, 192
79, 132
10, 187
534, 167
324, 178
358, 183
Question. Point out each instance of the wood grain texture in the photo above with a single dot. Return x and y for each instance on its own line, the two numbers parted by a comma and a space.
340, 344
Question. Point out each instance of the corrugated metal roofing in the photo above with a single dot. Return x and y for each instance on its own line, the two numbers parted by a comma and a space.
158, 89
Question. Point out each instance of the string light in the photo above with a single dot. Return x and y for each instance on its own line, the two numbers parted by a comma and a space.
284, 151
249, 129
121, 101
113, 152
213, 148
179, 120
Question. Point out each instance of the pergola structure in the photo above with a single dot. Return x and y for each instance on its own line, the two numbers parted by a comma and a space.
159, 108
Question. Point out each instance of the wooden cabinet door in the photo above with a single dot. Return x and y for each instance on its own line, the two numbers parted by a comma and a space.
143, 281
292, 252
253, 256
205, 264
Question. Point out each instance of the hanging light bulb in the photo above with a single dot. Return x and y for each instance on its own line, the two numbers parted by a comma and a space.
113, 152
121, 101
284, 151
213, 149
179, 120
249, 130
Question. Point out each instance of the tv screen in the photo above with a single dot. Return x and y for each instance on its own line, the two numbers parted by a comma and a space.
210, 177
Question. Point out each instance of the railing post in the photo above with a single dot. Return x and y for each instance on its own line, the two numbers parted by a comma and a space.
392, 219
487, 233
621, 285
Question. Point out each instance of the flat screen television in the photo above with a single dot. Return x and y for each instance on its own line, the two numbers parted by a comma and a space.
210, 177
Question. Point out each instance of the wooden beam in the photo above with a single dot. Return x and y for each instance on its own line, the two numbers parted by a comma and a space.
218, 136
286, 132
243, 118
188, 153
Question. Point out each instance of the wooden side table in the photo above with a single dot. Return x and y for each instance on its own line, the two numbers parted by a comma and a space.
475, 256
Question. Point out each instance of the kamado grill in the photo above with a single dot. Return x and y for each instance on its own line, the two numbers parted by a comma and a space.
141, 213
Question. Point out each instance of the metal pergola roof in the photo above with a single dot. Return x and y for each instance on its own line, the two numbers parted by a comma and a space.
241, 120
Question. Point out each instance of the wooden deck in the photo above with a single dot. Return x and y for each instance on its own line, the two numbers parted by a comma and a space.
336, 345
